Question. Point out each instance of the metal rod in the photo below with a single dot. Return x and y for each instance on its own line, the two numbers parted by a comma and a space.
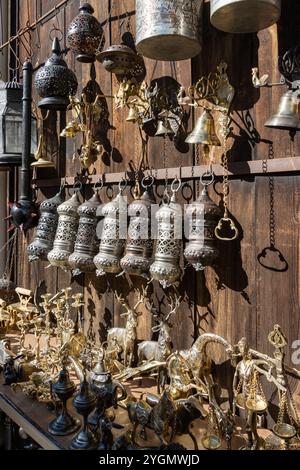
236, 170
25, 180
33, 25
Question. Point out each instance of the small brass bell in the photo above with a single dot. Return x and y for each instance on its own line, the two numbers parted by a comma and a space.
204, 131
164, 128
287, 116
132, 115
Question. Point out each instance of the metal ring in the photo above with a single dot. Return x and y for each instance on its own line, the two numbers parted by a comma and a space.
56, 30
149, 177
122, 185
173, 185
77, 188
207, 173
98, 185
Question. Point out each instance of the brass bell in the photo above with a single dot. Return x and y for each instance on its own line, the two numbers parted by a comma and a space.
204, 131
132, 115
287, 116
164, 128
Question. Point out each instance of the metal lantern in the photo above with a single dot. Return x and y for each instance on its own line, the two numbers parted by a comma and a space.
203, 216
139, 248
55, 82
66, 232
168, 29
117, 59
244, 16
11, 142
113, 238
86, 245
46, 229
85, 34
165, 268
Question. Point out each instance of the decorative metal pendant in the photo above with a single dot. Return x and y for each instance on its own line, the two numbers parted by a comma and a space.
46, 229
55, 82
165, 268
168, 29
86, 245
203, 215
85, 34
66, 232
244, 16
113, 238
139, 248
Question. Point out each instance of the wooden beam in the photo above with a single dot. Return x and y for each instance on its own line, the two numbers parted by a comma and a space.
237, 170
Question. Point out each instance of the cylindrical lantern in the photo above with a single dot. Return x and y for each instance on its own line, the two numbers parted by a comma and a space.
168, 29
139, 248
203, 216
86, 245
113, 239
46, 229
244, 16
66, 232
165, 268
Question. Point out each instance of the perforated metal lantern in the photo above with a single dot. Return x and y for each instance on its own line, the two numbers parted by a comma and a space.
55, 82
113, 238
87, 244
168, 29
66, 232
244, 16
165, 268
46, 229
139, 247
85, 34
203, 216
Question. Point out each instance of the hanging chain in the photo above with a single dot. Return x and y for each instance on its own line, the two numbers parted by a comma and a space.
197, 164
272, 219
165, 161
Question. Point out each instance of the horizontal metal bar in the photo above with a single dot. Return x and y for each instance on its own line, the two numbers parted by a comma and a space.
236, 170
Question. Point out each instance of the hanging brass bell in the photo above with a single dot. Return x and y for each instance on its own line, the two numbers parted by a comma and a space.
204, 131
164, 128
132, 115
287, 116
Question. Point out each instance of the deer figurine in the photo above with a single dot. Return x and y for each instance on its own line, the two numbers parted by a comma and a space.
161, 349
125, 338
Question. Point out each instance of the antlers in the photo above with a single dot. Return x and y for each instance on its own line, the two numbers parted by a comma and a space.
142, 294
174, 303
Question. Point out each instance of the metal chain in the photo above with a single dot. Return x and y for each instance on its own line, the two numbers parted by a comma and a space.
294, 408
225, 165
165, 162
197, 164
282, 407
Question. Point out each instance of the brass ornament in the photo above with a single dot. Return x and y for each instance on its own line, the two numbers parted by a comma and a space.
203, 216
46, 229
86, 244
165, 268
66, 232
139, 246
204, 131
113, 238
168, 29
244, 16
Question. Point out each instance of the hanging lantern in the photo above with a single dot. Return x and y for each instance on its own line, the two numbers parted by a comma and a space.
11, 142
168, 29
86, 245
165, 268
139, 246
85, 34
66, 232
46, 229
203, 216
117, 59
113, 238
244, 16
55, 82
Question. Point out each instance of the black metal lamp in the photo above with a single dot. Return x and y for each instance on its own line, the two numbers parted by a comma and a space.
11, 142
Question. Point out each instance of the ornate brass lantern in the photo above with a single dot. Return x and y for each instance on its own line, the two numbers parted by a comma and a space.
165, 268
65, 236
55, 82
244, 16
168, 29
86, 245
85, 34
203, 216
46, 229
113, 237
139, 248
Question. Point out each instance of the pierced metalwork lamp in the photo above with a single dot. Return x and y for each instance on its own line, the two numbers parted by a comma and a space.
24, 213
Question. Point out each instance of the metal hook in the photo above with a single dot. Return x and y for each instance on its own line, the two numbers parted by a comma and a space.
77, 187
122, 185
146, 178
98, 185
210, 174
177, 181
56, 30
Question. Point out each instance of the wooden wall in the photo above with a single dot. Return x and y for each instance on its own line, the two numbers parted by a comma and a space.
239, 298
